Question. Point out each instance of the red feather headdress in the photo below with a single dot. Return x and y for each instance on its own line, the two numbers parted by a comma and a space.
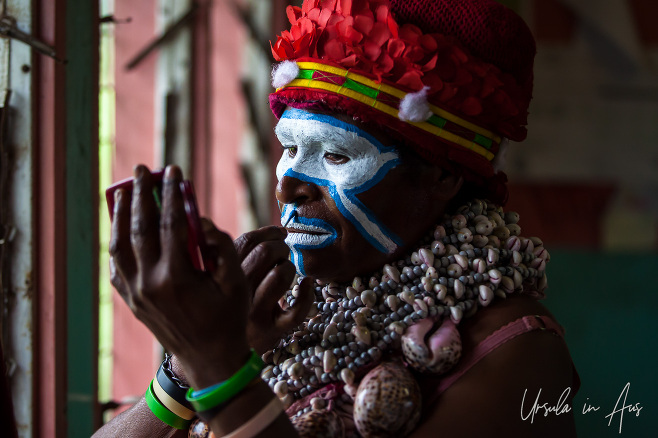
449, 77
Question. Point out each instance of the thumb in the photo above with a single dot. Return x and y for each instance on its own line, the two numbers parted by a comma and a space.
294, 315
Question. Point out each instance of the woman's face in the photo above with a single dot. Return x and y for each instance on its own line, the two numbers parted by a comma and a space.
347, 200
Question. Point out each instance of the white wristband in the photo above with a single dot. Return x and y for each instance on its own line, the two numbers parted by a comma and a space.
260, 421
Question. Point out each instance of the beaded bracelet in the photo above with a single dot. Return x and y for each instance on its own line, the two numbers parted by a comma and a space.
213, 396
161, 411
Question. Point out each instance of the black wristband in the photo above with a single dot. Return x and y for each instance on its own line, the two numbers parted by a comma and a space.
171, 384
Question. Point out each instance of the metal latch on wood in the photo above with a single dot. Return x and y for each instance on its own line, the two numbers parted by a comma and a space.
8, 29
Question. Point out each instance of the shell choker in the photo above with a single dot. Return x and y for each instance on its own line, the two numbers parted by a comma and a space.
408, 310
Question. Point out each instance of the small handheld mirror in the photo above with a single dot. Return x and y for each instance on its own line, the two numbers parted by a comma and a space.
196, 243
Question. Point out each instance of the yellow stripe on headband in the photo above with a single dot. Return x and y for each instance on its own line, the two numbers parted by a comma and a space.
399, 94
439, 132
355, 77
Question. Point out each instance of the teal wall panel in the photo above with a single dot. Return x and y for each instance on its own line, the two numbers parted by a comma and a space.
608, 304
81, 214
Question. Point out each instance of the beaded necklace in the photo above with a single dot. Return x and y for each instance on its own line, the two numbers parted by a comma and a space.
467, 261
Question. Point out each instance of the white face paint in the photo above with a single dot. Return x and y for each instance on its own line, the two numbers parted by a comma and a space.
316, 137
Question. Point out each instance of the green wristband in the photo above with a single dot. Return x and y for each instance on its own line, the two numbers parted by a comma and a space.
222, 392
164, 414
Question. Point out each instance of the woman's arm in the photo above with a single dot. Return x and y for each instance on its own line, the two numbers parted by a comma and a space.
137, 421
152, 272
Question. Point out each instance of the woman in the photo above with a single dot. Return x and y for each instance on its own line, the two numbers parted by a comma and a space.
422, 318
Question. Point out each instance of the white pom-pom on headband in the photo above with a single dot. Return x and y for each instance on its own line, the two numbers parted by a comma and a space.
414, 107
284, 73
500, 162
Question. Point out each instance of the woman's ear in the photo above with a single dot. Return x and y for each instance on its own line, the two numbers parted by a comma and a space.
446, 185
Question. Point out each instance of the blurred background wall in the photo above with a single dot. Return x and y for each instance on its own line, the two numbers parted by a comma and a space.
586, 181
187, 82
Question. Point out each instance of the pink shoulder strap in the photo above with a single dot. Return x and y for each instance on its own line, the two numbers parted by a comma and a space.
496, 339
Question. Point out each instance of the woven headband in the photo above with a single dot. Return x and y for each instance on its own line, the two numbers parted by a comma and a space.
386, 99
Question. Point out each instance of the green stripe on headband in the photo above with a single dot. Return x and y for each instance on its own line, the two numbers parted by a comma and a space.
360, 88
349, 83
483, 141
305, 74
437, 121
479, 139
373, 93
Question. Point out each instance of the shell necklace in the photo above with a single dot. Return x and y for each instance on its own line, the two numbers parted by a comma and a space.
467, 261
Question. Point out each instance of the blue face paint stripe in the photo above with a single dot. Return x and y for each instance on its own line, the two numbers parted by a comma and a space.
290, 215
371, 239
352, 197
298, 261
315, 222
321, 224
379, 236
372, 218
375, 179
345, 212
351, 194
287, 213
297, 114
296, 257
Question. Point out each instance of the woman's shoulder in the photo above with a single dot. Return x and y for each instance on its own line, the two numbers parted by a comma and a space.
487, 320
511, 388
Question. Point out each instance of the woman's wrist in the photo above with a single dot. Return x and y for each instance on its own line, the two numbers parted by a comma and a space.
207, 371
210, 400
246, 407
178, 370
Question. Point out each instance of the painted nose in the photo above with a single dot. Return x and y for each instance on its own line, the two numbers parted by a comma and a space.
291, 190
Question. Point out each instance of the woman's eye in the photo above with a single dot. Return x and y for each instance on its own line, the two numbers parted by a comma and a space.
336, 158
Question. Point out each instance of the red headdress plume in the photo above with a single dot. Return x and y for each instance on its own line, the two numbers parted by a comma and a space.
449, 77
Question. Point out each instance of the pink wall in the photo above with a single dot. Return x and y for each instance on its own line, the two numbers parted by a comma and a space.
220, 107
219, 118
50, 357
133, 343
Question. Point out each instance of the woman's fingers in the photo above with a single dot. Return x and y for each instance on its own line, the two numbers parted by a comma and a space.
271, 289
258, 251
228, 263
246, 243
121, 249
144, 229
173, 221
265, 309
262, 259
294, 315
119, 282
213, 235
227, 272
267, 320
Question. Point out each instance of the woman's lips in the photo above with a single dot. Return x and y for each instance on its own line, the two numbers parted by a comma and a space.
306, 234
297, 227
315, 233
307, 240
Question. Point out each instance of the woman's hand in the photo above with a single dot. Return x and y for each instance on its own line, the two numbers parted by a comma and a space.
264, 258
199, 316
203, 318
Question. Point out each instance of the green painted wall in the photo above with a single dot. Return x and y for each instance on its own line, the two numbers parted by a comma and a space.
81, 96
608, 305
